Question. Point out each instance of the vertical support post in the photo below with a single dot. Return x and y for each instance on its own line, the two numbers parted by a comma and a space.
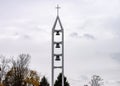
52, 59
62, 57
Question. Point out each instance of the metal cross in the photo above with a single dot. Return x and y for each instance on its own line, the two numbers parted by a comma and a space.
57, 9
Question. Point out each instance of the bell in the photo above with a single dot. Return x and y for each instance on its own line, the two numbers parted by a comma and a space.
57, 45
57, 33
57, 58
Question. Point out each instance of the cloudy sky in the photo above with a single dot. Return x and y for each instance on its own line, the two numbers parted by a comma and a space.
92, 36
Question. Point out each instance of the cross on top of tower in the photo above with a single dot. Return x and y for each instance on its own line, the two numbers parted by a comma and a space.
57, 9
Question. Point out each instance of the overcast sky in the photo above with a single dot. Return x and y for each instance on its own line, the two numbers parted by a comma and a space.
92, 36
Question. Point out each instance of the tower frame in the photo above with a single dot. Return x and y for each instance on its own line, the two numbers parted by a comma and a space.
53, 48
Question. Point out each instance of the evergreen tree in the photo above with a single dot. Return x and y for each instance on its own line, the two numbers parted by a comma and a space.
44, 82
58, 82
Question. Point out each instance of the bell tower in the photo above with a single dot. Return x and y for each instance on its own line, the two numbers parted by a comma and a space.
57, 48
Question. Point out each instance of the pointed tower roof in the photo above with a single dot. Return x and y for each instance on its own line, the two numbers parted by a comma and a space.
57, 19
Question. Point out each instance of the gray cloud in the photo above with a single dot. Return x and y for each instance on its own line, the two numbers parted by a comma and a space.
116, 56
26, 36
88, 36
113, 24
85, 35
74, 35
118, 82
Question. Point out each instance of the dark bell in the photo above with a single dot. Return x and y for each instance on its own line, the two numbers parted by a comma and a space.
57, 58
57, 45
57, 33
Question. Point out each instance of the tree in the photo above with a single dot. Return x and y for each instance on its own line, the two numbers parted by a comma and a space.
4, 67
96, 81
8, 81
58, 82
18, 72
44, 82
20, 68
32, 78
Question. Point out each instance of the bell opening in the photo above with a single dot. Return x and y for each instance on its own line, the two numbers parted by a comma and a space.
57, 45
57, 58
57, 33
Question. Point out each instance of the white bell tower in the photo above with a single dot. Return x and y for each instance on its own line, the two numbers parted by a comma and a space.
57, 45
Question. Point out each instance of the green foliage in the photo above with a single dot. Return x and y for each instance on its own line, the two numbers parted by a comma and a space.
58, 82
44, 82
